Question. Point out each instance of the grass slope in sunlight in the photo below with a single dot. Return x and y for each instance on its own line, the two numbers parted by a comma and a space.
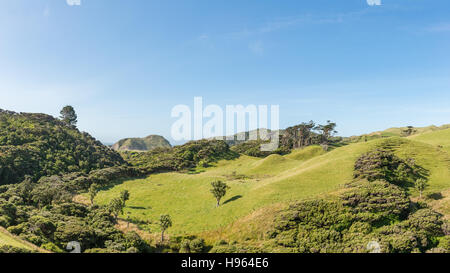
257, 185
8, 239
437, 138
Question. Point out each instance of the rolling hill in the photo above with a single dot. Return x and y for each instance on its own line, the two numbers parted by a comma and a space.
266, 191
396, 131
260, 187
141, 144
440, 138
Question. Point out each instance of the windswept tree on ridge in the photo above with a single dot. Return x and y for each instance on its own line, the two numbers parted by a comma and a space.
68, 115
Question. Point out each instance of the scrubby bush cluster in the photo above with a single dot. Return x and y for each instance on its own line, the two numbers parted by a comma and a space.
12, 249
370, 211
40, 145
192, 154
384, 164
375, 207
43, 213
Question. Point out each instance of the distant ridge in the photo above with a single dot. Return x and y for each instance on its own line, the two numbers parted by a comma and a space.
141, 144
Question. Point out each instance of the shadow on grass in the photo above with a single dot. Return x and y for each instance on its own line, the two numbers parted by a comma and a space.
435, 196
141, 208
234, 198
119, 181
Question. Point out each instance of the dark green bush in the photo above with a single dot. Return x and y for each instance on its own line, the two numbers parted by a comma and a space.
13, 249
180, 157
385, 165
40, 145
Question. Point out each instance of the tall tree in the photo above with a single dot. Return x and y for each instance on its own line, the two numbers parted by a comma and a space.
326, 131
164, 222
219, 189
68, 115
298, 136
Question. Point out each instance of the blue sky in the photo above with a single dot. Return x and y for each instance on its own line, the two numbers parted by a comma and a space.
124, 64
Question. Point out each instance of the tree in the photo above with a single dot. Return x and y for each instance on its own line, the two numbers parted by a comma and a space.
68, 115
219, 189
93, 190
326, 131
409, 131
124, 196
421, 185
164, 222
299, 136
116, 207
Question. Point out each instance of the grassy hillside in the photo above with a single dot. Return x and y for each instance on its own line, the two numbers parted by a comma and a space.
435, 138
7, 239
306, 153
261, 184
396, 131
141, 144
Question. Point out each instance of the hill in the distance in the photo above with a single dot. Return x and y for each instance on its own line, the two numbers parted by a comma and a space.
141, 144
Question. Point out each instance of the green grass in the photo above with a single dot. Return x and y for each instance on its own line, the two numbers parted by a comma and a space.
437, 138
8, 239
257, 184
398, 131
306, 153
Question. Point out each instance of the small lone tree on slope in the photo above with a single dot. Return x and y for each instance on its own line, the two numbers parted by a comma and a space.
116, 207
68, 115
125, 196
421, 185
219, 189
164, 222
93, 190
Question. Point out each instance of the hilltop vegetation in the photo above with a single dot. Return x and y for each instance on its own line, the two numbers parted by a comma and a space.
39, 145
141, 144
190, 155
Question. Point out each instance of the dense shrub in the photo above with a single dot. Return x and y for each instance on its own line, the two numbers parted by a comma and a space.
420, 232
196, 245
368, 211
444, 243
234, 247
377, 197
40, 145
180, 157
320, 226
385, 165
52, 247
13, 249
